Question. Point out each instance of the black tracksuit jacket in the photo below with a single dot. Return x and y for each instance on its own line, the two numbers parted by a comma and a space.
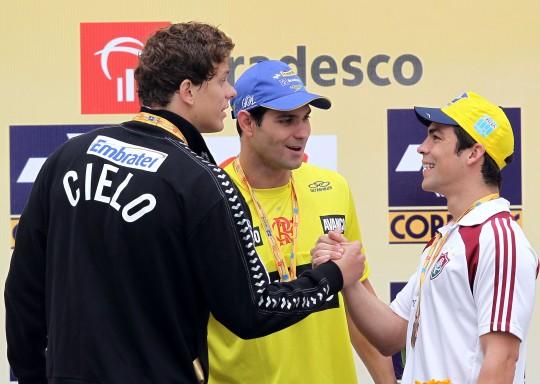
129, 239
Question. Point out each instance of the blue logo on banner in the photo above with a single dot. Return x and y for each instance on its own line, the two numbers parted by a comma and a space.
406, 133
29, 147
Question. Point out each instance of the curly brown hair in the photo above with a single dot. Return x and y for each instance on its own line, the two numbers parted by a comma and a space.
181, 51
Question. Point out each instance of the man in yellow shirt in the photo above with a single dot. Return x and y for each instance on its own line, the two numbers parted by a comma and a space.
292, 204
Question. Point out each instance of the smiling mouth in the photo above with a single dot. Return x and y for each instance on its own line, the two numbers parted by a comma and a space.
294, 148
426, 166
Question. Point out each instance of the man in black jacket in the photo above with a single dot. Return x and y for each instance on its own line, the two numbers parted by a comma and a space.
132, 235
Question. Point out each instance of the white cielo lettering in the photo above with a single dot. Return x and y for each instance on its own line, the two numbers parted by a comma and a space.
73, 199
119, 190
149, 198
131, 212
88, 182
104, 183
126, 154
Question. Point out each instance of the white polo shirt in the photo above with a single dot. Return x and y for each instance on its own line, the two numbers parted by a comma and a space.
483, 280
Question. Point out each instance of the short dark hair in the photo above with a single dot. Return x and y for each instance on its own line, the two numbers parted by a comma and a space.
257, 114
490, 170
176, 53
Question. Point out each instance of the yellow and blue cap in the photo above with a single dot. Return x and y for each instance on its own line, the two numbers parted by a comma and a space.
484, 121
273, 84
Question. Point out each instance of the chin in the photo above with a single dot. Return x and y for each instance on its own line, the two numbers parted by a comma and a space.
426, 187
212, 129
295, 166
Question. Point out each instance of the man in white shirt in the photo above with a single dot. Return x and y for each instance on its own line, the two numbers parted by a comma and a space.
464, 314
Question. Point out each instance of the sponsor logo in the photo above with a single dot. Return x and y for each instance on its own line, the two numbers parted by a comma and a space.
29, 147
257, 237
248, 101
320, 186
485, 125
283, 230
109, 56
333, 222
414, 215
126, 155
419, 226
462, 96
439, 265
328, 70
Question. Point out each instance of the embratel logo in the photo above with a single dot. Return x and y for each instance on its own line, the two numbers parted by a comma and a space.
320, 186
29, 147
414, 215
109, 56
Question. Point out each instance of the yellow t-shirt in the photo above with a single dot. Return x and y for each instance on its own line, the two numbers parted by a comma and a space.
318, 348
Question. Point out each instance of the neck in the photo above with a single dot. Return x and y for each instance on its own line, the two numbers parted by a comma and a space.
176, 106
459, 202
260, 175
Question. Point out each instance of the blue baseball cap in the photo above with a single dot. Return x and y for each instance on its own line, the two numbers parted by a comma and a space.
274, 85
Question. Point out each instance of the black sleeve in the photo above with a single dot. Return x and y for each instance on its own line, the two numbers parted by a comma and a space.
24, 293
235, 281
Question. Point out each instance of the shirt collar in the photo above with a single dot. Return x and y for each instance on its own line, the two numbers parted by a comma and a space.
480, 214
193, 136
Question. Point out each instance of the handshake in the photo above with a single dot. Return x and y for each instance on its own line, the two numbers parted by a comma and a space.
347, 255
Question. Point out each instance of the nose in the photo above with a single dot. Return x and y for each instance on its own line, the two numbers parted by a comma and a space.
422, 148
303, 131
231, 92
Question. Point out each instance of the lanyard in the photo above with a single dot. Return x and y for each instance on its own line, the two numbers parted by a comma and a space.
434, 250
161, 122
285, 274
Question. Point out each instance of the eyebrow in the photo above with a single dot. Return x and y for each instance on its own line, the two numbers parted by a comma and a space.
433, 130
286, 114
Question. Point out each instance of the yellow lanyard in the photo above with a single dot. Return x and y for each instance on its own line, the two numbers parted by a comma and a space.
285, 274
161, 122
434, 250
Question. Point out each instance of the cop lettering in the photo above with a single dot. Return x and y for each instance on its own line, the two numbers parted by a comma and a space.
417, 226
106, 193
325, 70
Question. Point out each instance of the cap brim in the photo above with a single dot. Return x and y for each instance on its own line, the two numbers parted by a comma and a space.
297, 100
433, 115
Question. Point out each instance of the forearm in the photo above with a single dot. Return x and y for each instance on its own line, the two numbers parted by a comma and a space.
497, 371
375, 320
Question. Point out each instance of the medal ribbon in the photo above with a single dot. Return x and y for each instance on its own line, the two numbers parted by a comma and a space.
434, 250
161, 122
285, 274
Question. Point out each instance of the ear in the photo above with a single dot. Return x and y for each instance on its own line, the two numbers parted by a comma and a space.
186, 92
476, 154
246, 123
